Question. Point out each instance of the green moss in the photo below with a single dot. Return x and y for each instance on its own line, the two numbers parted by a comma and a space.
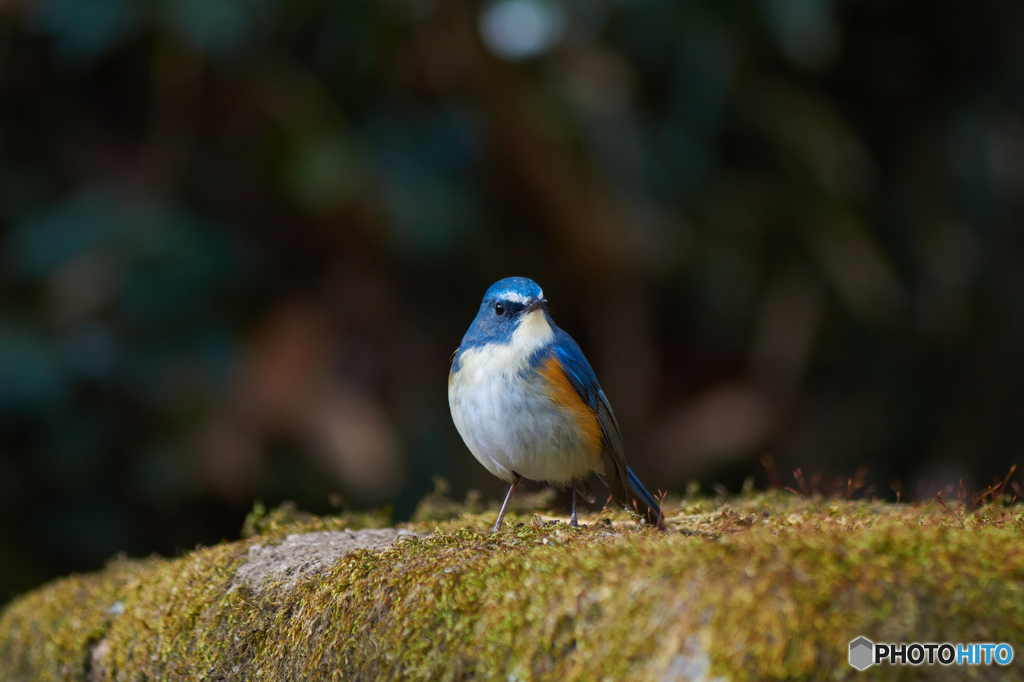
288, 518
768, 587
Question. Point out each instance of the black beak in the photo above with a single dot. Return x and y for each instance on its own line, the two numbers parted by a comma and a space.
536, 303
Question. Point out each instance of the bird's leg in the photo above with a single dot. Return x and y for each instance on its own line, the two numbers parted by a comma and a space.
572, 519
504, 506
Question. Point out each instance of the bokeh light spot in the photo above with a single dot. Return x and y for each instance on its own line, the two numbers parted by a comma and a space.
520, 29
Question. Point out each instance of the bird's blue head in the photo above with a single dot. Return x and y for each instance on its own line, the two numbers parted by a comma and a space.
506, 306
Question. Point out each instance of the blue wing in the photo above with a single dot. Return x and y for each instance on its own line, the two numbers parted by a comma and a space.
581, 377
583, 381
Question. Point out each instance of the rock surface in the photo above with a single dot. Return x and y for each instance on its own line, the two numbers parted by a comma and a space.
301, 555
767, 587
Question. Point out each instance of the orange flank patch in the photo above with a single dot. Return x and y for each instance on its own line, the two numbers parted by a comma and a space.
564, 395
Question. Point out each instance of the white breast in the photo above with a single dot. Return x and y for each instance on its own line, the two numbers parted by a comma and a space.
502, 411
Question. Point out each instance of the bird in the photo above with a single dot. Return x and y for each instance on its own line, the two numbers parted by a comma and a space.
527, 404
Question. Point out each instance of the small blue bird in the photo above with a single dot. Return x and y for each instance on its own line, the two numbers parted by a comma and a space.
527, 403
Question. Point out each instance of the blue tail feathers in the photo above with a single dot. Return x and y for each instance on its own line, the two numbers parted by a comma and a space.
646, 498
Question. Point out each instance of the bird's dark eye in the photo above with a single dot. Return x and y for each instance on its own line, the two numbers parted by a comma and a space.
499, 309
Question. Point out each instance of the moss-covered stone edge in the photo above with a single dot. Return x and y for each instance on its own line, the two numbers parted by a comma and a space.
768, 587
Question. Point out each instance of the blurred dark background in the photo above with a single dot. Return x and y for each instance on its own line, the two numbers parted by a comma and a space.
240, 240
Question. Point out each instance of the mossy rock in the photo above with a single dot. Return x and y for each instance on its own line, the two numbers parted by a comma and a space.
762, 587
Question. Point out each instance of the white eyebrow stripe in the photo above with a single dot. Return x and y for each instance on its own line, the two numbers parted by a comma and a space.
515, 297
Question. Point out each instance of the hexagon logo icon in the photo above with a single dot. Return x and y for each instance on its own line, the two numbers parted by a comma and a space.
862, 653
